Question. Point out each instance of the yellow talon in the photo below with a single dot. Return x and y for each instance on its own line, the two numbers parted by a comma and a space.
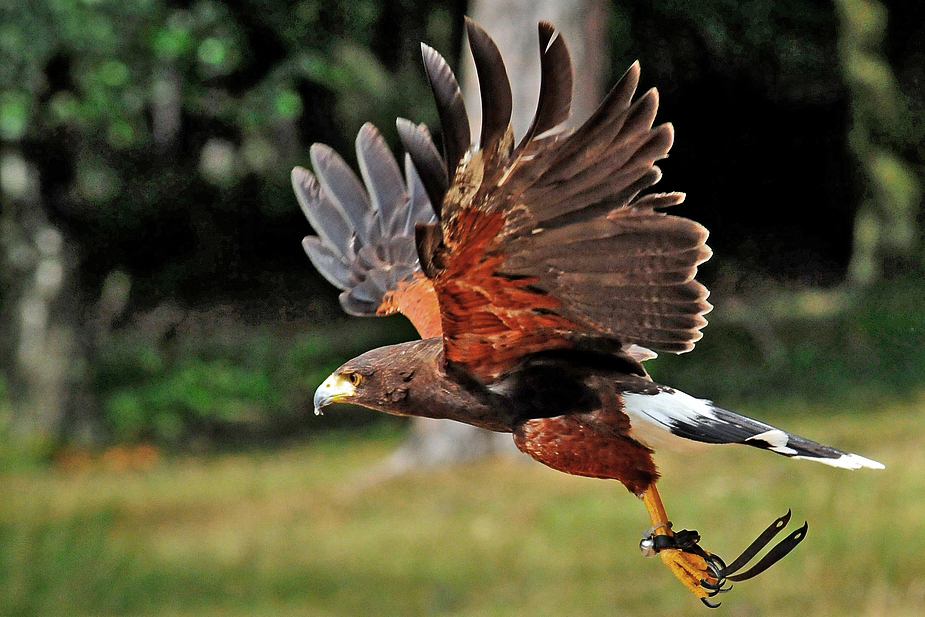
690, 568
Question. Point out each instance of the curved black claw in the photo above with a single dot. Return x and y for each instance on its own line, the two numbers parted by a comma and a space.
715, 565
687, 541
715, 588
716, 568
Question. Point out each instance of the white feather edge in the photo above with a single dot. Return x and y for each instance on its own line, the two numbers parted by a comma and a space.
651, 417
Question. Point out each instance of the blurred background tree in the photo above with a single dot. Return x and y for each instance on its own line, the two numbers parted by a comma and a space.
153, 284
145, 163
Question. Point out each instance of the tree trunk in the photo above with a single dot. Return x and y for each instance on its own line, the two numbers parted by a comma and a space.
513, 26
37, 312
885, 231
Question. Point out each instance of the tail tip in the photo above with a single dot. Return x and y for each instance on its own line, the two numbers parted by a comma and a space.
846, 461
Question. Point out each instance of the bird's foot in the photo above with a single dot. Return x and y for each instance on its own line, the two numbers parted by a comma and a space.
706, 575
698, 570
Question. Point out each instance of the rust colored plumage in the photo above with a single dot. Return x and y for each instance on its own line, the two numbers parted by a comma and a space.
489, 321
591, 444
548, 246
567, 444
416, 300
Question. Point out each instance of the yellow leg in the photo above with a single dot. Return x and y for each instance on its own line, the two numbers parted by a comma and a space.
653, 502
690, 569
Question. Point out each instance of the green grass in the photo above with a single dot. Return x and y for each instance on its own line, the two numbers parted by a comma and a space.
308, 531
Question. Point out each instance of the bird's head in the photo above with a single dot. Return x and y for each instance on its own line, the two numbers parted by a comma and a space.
340, 387
379, 379
409, 380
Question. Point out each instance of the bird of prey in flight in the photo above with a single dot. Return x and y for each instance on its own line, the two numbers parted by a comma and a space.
540, 274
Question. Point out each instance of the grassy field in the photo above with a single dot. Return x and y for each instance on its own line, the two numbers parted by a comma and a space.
308, 531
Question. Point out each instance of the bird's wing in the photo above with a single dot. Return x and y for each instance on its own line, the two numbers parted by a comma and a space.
548, 245
365, 243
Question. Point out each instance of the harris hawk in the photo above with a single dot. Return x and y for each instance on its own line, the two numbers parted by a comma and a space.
540, 277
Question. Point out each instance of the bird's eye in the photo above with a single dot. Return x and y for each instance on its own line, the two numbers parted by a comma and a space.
354, 379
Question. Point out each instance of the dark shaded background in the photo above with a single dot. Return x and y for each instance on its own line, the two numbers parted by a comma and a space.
113, 108
761, 151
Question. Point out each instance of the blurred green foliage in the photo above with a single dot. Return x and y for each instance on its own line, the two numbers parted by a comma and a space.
849, 347
162, 404
239, 384
163, 134
112, 62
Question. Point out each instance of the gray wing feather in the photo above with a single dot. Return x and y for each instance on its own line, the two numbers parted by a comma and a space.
428, 164
365, 243
383, 179
326, 219
344, 189
331, 265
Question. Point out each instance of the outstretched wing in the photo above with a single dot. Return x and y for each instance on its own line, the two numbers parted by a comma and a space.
549, 245
365, 243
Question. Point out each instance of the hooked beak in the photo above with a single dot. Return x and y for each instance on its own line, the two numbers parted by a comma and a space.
335, 389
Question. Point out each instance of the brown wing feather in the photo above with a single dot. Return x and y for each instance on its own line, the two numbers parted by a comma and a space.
450, 106
551, 247
430, 167
494, 87
555, 101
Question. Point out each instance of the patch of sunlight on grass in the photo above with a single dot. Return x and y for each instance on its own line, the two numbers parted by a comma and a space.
305, 531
